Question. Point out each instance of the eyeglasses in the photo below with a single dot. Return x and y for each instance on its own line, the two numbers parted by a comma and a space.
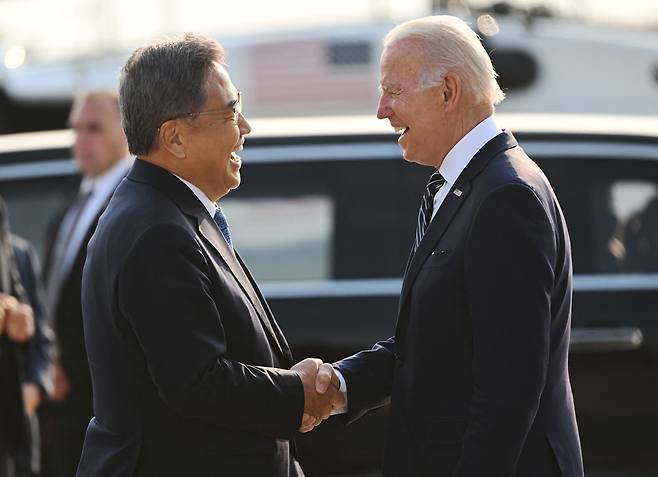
236, 111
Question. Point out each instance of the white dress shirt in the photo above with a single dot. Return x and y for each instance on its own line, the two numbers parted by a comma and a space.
210, 206
461, 154
451, 168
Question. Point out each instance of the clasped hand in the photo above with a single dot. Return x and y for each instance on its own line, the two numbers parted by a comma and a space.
16, 319
322, 392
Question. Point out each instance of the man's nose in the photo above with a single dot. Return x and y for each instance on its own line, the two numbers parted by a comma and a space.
243, 124
384, 108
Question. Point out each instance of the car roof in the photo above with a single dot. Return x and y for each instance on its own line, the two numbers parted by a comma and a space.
356, 126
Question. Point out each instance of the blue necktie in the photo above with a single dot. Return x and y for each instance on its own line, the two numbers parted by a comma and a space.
222, 223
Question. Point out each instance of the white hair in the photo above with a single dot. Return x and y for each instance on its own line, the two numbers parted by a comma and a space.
449, 44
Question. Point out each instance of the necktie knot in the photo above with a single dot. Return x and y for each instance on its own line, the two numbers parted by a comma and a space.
222, 223
435, 183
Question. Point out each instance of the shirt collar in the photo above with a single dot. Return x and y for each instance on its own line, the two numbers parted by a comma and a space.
461, 154
106, 182
210, 206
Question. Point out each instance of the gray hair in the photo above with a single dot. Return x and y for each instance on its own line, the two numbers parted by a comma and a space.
449, 44
163, 81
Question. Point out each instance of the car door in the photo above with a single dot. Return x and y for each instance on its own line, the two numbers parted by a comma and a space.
608, 190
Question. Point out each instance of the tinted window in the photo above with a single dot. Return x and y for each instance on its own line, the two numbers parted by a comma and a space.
611, 207
349, 219
284, 238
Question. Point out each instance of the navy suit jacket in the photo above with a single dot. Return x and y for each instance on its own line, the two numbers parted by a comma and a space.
25, 363
477, 370
183, 350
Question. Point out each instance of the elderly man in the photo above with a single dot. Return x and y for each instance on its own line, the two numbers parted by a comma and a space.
188, 364
101, 153
477, 370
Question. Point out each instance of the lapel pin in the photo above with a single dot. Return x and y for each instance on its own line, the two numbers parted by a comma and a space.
457, 192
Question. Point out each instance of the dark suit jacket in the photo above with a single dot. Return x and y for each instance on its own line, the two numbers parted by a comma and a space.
25, 363
67, 317
182, 346
477, 370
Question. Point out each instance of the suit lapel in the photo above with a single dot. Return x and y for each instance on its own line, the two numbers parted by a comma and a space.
178, 192
209, 231
281, 339
459, 193
434, 232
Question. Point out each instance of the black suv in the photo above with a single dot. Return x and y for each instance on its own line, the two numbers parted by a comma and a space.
325, 218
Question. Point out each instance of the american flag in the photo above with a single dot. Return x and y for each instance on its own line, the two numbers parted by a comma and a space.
307, 72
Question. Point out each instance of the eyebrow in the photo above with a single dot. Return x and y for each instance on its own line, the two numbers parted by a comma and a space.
389, 87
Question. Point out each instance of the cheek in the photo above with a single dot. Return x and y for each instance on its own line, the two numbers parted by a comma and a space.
229, 140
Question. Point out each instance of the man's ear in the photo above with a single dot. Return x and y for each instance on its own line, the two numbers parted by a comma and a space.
171, 138
452, 91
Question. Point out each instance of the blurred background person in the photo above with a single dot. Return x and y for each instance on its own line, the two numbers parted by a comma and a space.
101, 152
25, 351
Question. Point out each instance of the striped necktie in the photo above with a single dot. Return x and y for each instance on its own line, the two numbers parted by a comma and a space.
426, 206
222, 223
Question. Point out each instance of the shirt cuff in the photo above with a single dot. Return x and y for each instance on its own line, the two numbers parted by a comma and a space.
343, 390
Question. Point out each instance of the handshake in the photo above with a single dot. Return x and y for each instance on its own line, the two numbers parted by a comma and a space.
322, 393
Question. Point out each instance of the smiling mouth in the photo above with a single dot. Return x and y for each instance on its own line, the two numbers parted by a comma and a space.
401, 130
234, 157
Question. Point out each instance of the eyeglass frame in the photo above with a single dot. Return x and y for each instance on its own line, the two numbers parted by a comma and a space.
236, 108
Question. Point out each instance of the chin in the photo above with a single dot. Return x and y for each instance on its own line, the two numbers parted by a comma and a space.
409, 157
235, 182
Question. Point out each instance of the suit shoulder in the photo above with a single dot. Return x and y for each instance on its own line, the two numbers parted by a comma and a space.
136, 207
139, 213
513, 166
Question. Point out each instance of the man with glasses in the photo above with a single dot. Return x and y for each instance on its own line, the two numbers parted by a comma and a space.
191, 372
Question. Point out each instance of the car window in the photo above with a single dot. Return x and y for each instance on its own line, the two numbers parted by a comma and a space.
611, 208
284, 238
635, 204
320, 220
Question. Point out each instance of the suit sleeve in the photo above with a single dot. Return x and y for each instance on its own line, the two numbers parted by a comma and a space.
39, 350
509, 277
369, 378
164, 291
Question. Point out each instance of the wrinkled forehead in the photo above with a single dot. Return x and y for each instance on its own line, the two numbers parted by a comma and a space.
402, 62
